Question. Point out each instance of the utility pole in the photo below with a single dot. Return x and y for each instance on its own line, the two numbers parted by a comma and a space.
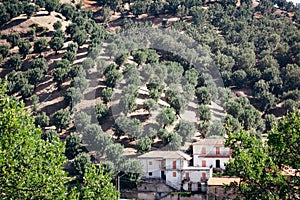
118, 183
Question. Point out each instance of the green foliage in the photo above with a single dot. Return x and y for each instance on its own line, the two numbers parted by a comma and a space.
40, 45
73, 96
107, 94
217, 129
140, 57
4, 50
15, 62
57, 25
81, 121
51, 5
96, 185
80, 82
114, 153
166, 117
140, 7
61, 119
81, 162
34, 75
72, 29
101, 112
40, 63
144, 145
67, 10
56, 43
260, 176
80, 37
127, 103
150, 105
120, 125
35, 100
73, 146
13, 39
133, 169
27, 90
172, 141
284, 141
42, 120
24, 47
39, 174
204, 113
186, 130
72, 47
112, 77
103, 141
203, 95
30, 9
90, 133
270, 121
50, 136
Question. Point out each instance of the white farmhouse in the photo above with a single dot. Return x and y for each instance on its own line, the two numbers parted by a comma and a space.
174, 168
210, 153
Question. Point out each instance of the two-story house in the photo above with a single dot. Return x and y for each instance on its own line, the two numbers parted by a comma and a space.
211, 152
174, 168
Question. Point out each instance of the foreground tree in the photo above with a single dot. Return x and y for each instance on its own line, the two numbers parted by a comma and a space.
39, 174
260, 165
284, 141
96, 185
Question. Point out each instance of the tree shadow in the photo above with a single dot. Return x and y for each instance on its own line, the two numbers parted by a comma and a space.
93, 94
126, 142
44, 84
54, 107
141, 117
41, 14
78, 57
53, 95
158, 144
13, 23
109, 122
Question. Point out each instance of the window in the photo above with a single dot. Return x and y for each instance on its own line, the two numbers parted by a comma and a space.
150, 173
218, 164
174, 174
187, 176
203, 150
174, 164
217, 150
203, 176
150, 162
203, 163
190, 187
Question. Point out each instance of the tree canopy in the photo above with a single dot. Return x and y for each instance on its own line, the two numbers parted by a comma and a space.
260, 166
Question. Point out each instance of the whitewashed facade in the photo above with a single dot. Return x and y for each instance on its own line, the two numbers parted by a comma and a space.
174, 168
211, 153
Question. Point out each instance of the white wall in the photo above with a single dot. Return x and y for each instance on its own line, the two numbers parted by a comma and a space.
155, 168
210, 150
173, 181
196, 177
209, 161
180, 164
